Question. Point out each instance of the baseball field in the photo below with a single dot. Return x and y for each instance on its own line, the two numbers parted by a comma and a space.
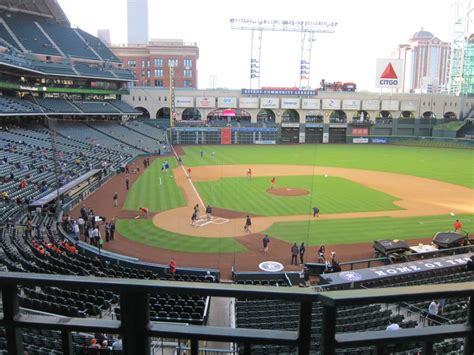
364, 192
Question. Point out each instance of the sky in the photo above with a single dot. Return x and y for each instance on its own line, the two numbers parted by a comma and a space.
367, 30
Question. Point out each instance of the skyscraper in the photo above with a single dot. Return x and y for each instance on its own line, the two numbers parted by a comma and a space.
426, 62
137, 21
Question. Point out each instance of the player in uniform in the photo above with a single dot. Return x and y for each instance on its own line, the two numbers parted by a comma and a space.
273, 183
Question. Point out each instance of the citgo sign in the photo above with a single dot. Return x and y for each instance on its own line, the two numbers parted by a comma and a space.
389, 73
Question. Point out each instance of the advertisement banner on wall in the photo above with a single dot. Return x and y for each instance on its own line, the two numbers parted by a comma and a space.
226, 136
360, 131
205, 102
360, 140
184, 101
390, 105
293, 103
331, 104
351, 104
389, 73
269, 102
408, 106
288, 124
227, 102
371, 105
265, 142
311, 104
379, 140
248, 102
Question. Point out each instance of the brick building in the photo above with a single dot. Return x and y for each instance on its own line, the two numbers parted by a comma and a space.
151, 62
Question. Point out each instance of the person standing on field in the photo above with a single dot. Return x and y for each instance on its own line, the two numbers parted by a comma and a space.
265, 242
302, 251
248, 224
127, 183
115, 198
209, 212
457, 225
294, 254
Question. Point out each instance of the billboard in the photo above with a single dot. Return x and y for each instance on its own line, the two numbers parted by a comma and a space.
351, 104
371, 105
408, 106
184, 101
390, 105
205, 102
248, 102
389, 73
331, 104
269, 102
226, 102
360, 140
360, 131
279, 91
311, 104
290, 103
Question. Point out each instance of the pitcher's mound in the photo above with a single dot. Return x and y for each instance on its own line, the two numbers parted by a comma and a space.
288, 192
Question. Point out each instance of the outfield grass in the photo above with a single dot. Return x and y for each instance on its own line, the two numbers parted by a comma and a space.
148, 192
145, 232
330, 195
359, 230
451, 165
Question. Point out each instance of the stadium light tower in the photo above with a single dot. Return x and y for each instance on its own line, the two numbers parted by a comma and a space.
463, 18
307, 30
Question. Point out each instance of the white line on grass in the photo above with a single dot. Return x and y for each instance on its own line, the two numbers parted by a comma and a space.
446, 221
190, 181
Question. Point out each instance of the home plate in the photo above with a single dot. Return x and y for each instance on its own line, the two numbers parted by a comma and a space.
214, 220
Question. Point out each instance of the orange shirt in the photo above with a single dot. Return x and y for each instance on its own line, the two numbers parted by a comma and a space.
273, 180
457, 226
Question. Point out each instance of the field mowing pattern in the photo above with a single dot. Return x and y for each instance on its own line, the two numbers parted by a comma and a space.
330, 195
450, 165
145, 232
148, 192
359, 230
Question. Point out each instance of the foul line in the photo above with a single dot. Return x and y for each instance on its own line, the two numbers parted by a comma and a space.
189, 179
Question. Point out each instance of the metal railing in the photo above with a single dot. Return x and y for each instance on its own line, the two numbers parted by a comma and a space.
136, 329
330, 340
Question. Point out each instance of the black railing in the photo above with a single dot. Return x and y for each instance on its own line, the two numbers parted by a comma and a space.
330, 340
136, 329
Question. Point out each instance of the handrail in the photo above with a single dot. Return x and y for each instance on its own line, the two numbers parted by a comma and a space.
136, 328
331, 300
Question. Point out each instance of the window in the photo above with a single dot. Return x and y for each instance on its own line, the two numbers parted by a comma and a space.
173, 62
158, 73
159, 83
158, 62
188, 73
188, 83
143, 64
188, 63
143, 73
132, 63
148, 73
133, 98
148, 63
